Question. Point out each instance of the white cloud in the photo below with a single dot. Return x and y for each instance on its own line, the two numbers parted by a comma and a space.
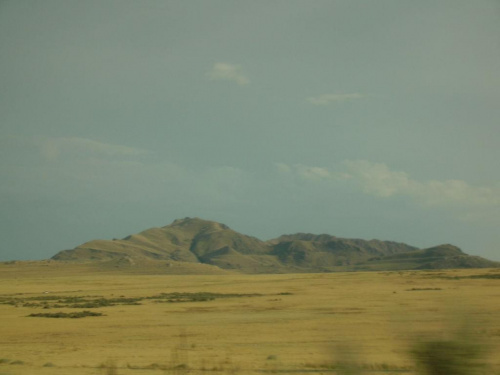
304, 171
312, 173
332, 98
378, 180
282, 167
228, 72
52, 148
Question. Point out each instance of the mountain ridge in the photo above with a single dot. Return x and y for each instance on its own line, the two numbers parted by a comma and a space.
199, 241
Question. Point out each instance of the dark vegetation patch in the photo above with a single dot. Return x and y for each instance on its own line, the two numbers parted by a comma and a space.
18, 362
57, 302
72, 315
418, 289
358, 368
480, 276
103, 302
483, 276
195, 297
8, 301
93, 302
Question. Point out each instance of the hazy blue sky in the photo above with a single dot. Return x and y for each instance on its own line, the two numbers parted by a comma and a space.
357, 118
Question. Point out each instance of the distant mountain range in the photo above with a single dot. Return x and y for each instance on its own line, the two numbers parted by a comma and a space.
197, 242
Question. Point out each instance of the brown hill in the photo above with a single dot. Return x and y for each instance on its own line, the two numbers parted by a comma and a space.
305, 249
185, 240
201, 242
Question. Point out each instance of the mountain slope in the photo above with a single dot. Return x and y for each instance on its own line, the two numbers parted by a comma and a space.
196, 241
185, 240
304, 249
438, 257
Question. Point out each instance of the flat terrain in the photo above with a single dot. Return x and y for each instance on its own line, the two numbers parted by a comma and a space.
303, 323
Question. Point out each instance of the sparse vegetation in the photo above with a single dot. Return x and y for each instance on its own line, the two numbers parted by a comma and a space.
461, 277
104, 302
482, 276
17, 362
72, 315
231, 328
352, 367
196, 297
94, 302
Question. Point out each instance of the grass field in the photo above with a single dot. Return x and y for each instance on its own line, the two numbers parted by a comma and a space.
375, 322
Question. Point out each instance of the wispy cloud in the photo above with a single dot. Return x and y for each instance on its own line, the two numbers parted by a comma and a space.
312, 173
378, 180
53, 148
304, 172
282, 167
332, 98
228, 72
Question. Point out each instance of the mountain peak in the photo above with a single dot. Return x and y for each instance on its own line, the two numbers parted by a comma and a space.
445, 250
197, 223
305, 237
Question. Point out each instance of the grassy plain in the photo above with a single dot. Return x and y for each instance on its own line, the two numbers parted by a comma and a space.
302, 323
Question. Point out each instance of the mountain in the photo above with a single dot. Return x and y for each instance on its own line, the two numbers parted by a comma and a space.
187, 240
210, 246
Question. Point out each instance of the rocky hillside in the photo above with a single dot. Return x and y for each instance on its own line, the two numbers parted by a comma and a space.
196, 241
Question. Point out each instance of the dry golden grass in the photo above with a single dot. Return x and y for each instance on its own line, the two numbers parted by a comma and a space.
300, 323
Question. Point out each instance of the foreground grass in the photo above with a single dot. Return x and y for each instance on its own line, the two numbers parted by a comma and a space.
390, 322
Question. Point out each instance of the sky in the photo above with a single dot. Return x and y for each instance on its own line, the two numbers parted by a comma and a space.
357, 118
